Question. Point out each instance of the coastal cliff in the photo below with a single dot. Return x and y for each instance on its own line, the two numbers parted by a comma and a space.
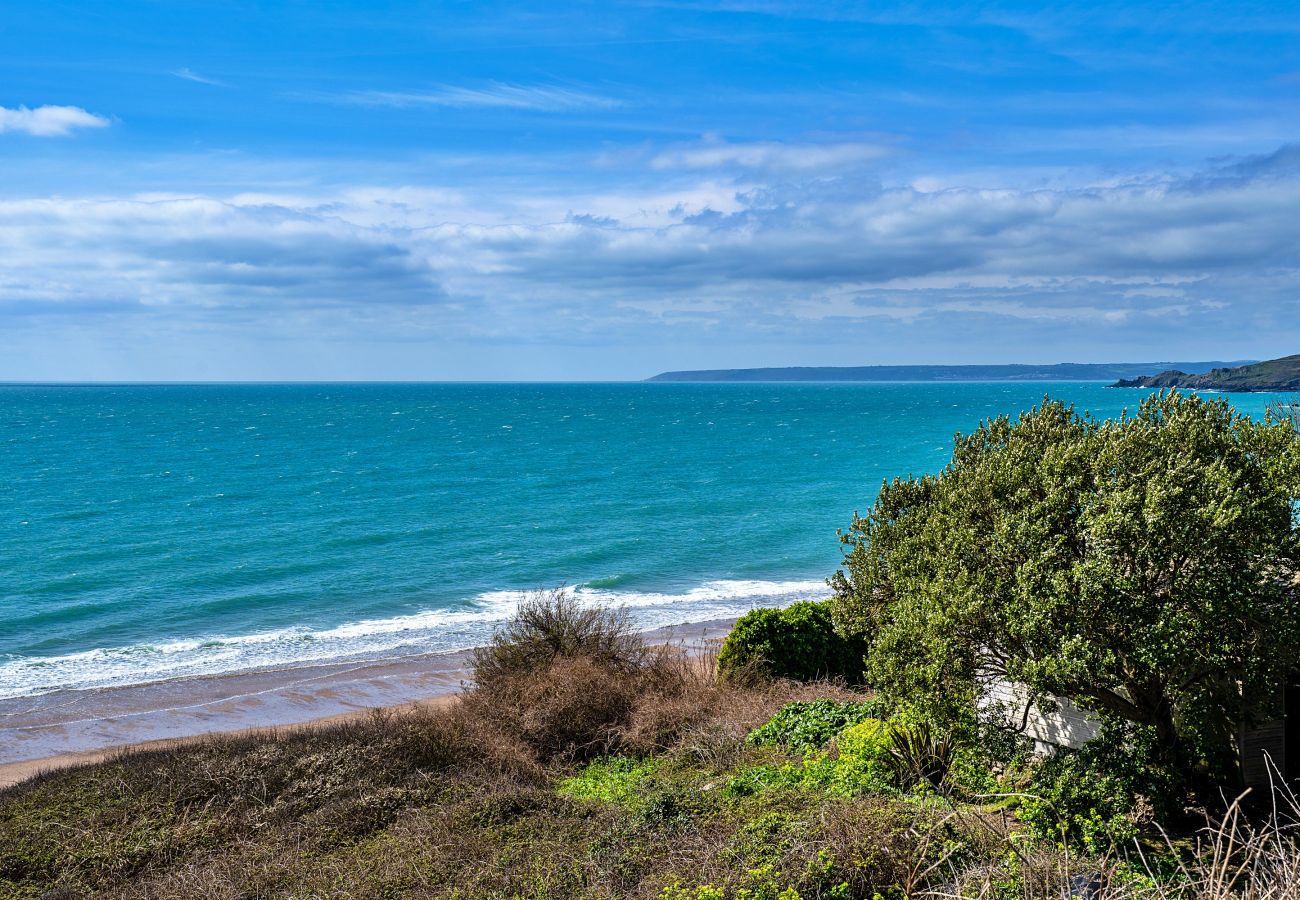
1271, 375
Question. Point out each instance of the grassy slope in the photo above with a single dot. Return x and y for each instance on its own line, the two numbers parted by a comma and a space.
446, 804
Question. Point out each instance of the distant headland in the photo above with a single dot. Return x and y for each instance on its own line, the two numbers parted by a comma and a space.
1017, 372
1271, 375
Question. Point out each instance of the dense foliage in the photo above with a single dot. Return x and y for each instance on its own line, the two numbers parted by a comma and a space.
805, 727
797, 642
848, 748
1144, 567
1098, 796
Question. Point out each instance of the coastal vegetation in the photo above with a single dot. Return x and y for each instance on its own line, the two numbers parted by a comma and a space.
798, 641
612, 777
1143, 568
643, 776
605, 768
640, 775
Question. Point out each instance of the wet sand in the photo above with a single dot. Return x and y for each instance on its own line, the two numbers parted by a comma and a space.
74, 727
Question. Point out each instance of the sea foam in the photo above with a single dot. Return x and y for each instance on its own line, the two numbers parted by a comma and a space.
422, 632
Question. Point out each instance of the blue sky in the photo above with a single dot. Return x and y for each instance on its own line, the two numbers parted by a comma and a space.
503, 190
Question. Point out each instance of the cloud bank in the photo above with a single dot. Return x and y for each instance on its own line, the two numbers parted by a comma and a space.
48, 121
768, 155
791, 253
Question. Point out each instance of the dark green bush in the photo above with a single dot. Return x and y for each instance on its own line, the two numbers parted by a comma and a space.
920, 756
983, 755
1097, 796
797, 642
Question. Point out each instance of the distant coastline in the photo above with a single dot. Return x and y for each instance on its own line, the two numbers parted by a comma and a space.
1271, 375
943, 373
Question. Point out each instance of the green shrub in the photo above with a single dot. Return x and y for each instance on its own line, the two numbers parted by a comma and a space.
797, 642
855, 763
863, 754
822, 877
1144, 565
747, 782
860, 759
818, 774
867, 739
1096, 797
614, 779
806, 727
919, 757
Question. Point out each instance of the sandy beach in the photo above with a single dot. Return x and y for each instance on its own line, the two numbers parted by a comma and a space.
17, 772
69, 728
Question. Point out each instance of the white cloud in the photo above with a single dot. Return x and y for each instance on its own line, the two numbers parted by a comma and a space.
547, 98
769, 155
48, 121
781, 256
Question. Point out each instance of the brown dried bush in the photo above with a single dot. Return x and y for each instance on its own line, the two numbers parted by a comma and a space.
552, 625
571, 709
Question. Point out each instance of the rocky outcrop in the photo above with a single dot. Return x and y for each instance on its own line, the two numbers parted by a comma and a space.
1271, 375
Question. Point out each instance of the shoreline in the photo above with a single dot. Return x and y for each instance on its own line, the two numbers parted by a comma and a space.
70, 728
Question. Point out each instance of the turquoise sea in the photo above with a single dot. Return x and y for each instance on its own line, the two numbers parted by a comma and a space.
154, 532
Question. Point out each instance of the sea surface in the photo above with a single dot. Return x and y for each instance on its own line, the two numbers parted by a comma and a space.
156, 532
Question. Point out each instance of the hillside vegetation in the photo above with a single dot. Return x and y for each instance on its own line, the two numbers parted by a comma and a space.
1146, 568
1009, 372
581, 772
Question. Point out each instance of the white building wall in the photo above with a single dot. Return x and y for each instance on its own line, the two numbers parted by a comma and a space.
1067, 726
1072, 727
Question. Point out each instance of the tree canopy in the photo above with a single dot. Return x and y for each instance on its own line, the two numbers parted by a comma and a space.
1143, 567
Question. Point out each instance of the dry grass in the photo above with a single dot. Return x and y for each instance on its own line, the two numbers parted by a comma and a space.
552, 625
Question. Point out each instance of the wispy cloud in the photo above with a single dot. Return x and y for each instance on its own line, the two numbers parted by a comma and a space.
547, 98
48, 121
189, 74
715, 154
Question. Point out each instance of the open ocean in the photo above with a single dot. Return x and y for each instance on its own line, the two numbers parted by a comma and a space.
155, 532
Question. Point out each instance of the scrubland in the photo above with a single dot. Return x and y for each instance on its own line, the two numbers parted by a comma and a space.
583, 763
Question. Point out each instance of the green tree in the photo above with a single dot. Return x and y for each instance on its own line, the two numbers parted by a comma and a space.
1144, 568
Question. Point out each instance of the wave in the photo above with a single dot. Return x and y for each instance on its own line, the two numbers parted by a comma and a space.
428, 631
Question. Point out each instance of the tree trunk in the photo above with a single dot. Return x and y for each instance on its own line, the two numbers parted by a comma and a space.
1169, 744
